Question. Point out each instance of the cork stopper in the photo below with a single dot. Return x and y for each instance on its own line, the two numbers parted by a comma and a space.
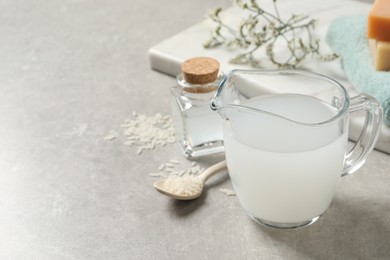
200, 70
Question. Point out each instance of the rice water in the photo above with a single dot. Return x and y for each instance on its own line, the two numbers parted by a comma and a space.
285, 163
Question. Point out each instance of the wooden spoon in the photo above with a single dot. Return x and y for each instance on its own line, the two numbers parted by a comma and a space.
187, 187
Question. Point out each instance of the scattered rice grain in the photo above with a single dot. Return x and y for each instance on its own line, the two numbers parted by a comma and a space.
128, 143
109, 137
194, 170
148, 132
170, 168
170, 165
171, 139
228, 192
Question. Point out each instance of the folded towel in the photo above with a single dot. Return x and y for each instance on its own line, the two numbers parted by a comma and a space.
347, 37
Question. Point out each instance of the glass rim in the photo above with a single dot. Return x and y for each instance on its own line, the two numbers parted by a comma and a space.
344, 108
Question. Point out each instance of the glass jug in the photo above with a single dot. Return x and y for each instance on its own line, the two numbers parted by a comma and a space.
285, 137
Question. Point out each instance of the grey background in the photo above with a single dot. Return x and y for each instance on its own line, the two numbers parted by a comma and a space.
70, 73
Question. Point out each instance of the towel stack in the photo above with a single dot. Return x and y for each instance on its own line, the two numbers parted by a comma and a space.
347, 36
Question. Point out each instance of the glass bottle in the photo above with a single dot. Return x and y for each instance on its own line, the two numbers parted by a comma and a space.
199, 129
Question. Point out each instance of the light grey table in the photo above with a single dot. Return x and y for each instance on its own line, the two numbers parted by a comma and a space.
70, 73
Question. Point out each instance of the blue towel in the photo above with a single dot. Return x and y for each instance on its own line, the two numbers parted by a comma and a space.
347, 37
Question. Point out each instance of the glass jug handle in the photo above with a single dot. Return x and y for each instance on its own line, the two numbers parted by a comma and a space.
356, 157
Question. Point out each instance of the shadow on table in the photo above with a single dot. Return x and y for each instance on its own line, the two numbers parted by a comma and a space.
348, 230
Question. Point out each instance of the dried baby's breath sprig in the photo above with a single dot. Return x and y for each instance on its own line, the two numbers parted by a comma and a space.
263, 28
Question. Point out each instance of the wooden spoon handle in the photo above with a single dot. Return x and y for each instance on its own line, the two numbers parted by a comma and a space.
212, 170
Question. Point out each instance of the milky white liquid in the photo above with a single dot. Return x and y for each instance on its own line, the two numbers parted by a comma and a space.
285, 172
